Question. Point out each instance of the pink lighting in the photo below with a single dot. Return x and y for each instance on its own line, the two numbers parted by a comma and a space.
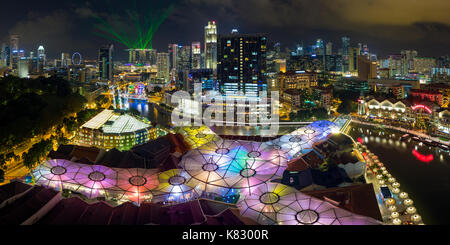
416, 107
423, 158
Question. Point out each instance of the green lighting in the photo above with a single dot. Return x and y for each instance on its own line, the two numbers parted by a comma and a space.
133, 25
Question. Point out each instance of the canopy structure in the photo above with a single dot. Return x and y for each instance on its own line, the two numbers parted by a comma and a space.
301, 141
226, 166
283, 205
95, 181
56, 174
135, 184
175, 186
265, 202
354, 170
198, 136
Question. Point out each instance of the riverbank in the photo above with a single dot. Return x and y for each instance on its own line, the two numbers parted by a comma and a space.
423, 171
438, 140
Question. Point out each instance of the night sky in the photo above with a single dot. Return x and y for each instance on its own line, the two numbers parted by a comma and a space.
387, 26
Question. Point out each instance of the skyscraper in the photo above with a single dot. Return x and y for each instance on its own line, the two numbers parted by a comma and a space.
320, 47
14, 51
211, 45
196, 52
329, 48
41, 57
162, 62
105, 62
5, 56
241, 64
345, 54
173, 56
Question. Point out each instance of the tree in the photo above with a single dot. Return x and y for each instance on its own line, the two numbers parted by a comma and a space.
347, 107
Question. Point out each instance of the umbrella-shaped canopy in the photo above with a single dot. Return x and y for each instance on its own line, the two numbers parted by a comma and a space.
56, 173
95, 180
198, 136
265, 202
135, 184
354, 170
175, 186
301, 140
279, 204
223, 166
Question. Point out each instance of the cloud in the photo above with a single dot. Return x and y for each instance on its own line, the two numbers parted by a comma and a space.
53, 30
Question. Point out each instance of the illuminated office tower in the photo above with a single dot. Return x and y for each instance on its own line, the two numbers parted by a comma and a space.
41, 57
320, 47
5, 56
184, 62
211, 45
241, 64
345, 54
353, 60
196, 59
105, 62
162, 62
329, 48
173, 56
65, 60
14, 51
23, 68
300, 50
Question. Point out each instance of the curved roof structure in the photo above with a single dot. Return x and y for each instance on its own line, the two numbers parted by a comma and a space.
97, 181
300, 141
135, 184
278, 204
226, 165
198, 136
175, 186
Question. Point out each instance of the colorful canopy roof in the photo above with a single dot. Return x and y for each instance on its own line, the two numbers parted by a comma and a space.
300, 141
175, 186
278, 204
94, 181
224, 165
198, 136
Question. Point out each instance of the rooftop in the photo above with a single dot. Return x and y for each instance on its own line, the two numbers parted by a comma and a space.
113, 123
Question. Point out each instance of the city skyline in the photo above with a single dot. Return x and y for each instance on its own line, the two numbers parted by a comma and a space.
68, 26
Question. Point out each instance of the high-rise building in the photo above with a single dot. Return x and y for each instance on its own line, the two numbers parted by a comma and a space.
162, 62
211, 45
5, 56
241, 64
23, 68
300, 50
142, 56
41, 55
65, 60
105, 62
196, 59
353, 60
185, 58
14, 51
345, 54
320, 47
173, 56
329, 48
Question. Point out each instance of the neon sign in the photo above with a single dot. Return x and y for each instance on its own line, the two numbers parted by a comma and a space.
416, 107
423, 158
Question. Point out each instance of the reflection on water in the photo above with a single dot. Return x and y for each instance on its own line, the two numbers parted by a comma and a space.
423, 158
428, 184
148, 110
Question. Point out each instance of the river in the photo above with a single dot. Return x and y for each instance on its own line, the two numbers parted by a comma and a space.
422, 171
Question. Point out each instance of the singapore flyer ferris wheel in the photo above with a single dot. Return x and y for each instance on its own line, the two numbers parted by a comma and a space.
76, 59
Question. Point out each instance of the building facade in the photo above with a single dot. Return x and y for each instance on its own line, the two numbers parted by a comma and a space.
241, 64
